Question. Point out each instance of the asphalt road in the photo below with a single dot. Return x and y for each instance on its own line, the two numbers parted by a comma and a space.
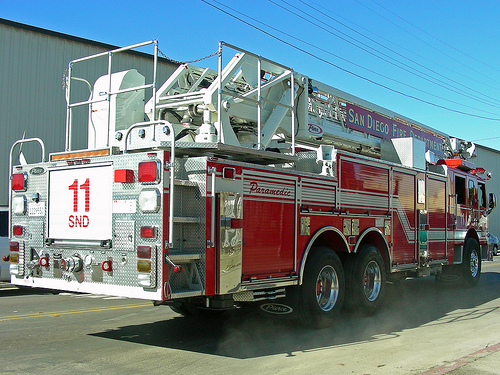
423, 327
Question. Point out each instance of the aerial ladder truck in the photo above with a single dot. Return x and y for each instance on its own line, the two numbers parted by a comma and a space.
245, 184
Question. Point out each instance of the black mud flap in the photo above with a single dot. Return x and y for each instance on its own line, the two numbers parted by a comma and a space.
285, 308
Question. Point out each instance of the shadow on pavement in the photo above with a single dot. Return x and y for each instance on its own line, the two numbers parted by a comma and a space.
245, 334
7, 289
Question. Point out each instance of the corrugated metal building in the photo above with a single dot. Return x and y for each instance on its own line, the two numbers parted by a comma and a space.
32, 66
33, 62
489, 159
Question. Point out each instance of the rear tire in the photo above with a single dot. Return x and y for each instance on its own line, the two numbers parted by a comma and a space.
184, 308
323, 288
365, 280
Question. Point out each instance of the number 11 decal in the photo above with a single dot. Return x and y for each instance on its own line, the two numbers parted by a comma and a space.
86, 187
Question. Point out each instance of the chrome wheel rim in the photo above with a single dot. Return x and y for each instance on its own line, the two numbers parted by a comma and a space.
372, 281
474, 263
327, 288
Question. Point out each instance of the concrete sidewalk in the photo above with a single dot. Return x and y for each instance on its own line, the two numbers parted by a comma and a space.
484, 361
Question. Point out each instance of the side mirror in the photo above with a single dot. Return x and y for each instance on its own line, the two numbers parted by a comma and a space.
492, 202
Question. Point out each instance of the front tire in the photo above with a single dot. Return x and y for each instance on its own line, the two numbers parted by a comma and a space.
323, 288
471, 264
365, 280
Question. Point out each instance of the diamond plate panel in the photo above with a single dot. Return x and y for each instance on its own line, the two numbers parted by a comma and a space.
36, 234
124, 235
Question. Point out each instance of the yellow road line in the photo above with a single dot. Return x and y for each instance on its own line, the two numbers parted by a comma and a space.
69, 312
484, 264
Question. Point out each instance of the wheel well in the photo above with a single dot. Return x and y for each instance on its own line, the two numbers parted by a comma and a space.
471, 234
373, 236
329, 237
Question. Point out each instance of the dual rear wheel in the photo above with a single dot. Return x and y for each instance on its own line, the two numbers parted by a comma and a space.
326, 285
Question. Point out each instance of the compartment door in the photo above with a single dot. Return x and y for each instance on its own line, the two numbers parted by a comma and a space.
230, 242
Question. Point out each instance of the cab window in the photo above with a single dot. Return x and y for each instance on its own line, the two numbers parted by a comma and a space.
481, 194
471, 189
460, 189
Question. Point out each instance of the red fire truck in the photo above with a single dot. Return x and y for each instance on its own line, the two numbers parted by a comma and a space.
246, 183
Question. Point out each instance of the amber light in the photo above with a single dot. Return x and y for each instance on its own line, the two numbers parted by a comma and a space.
81, 154
18, 182
14, 257
143, 265
14, 252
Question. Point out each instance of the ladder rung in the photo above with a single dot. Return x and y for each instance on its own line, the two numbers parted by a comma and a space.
184, 183
184, 257
188, 220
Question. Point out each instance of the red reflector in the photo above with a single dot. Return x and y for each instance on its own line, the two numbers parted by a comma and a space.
18, 182
177, 269
124, 175
6, 258
106, 265
148, 171
17, 230
43, 261
147, 232
228, 173
144, 252
236, 223
14, 246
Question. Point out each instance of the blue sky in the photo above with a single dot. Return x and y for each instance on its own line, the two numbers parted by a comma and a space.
427, 60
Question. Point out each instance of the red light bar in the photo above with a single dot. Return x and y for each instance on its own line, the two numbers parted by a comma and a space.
148, 232
144, 252
149, 171
18, 182
461, 164
124, 175
17, 230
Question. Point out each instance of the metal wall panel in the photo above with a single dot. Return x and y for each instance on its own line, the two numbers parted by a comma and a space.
32, 65
489, 159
